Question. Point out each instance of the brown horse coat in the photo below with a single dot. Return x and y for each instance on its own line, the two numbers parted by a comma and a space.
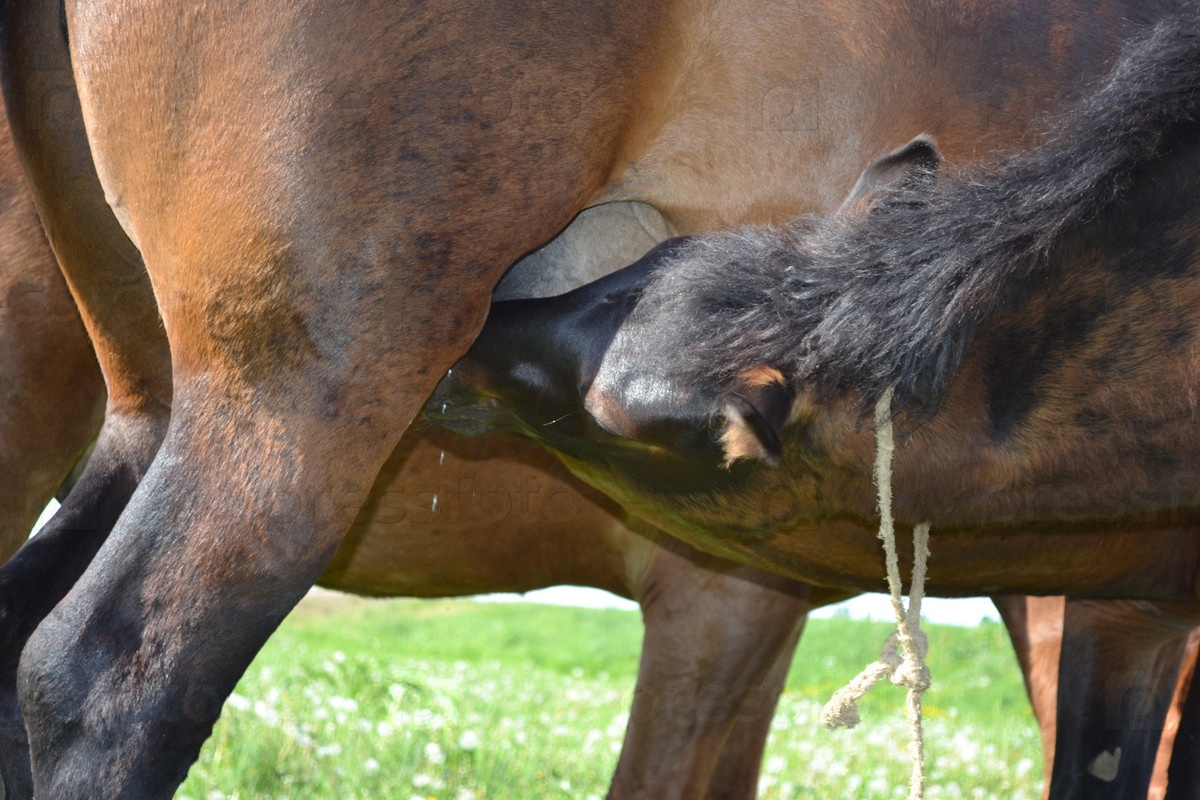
323, 198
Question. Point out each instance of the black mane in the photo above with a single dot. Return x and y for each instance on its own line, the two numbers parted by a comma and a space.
892, 298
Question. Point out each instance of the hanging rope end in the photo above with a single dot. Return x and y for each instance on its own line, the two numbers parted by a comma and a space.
841, 711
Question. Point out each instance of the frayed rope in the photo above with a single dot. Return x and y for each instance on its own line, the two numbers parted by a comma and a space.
902, 659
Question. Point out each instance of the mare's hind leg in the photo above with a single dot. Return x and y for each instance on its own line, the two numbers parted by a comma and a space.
105, 273
50, 385
122, 682
54, 400
323, 220
45, 569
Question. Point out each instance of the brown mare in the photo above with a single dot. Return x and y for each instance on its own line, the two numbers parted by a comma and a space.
713, 627
706, 630
557, 531
510, 519
1059, 456
323, 199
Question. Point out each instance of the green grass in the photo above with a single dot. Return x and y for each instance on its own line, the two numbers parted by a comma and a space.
455, 700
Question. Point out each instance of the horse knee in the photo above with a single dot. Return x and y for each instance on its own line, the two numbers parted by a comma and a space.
47, 681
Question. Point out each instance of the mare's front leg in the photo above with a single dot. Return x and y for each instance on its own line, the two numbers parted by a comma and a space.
1116, 681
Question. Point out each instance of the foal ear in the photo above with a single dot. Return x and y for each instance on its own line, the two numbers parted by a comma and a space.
755, 409
914, 165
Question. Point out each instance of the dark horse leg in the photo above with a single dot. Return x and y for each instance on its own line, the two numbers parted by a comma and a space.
1100, 675
99, 262
1117, 676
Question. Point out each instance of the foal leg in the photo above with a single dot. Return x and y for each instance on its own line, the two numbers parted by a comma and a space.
718, 641
737, 770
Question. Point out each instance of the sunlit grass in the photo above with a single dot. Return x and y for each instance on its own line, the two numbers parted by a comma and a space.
457, 700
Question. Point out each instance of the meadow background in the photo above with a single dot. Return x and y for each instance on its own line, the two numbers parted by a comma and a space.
459, 700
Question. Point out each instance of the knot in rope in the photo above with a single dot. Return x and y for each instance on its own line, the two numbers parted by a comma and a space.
902, 659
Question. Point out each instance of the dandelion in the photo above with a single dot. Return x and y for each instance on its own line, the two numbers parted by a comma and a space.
371, 765
421, 780
328, 750
469, 740
385, 729
346, 704
434, 753
267, 714
238, 703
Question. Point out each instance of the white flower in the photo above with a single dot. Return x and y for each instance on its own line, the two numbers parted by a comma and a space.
236, 701
327, 750
434, 753
347, 704
421, 780
469, 740
371, 765
267, 714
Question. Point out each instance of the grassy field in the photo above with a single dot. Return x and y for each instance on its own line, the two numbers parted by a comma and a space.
454, 700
